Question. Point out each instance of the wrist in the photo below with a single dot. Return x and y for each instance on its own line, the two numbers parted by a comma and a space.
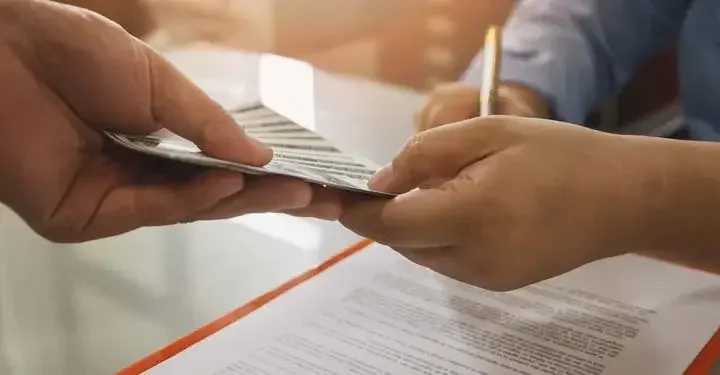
678, 201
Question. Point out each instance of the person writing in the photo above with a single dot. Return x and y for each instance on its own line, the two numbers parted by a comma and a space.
563, 59
68, 75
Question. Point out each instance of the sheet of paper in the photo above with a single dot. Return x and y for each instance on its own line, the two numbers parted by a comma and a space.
375, 313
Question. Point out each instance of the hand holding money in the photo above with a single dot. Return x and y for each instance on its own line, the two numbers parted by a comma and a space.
68, 76
522, 200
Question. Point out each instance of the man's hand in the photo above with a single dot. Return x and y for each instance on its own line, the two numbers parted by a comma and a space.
68, 75
511, 201
453, 102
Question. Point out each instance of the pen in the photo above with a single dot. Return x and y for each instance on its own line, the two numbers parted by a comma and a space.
490, 71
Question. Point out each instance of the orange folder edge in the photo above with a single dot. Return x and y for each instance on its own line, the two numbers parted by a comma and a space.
700, 366
203, 332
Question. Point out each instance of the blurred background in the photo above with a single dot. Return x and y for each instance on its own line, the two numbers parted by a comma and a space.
412, 43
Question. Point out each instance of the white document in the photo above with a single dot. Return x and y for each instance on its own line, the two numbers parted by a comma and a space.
376, 313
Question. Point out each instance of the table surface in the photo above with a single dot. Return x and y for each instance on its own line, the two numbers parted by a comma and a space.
95, 308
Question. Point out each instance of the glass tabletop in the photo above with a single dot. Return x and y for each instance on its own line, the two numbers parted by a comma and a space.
97, 307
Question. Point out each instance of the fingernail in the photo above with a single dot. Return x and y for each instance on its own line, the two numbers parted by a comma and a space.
381, 179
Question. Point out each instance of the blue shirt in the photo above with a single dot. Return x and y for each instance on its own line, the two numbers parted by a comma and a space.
578, 54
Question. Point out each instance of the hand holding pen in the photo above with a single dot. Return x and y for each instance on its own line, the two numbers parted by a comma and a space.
486, 95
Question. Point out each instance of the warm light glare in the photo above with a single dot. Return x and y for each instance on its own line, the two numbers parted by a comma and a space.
287, 86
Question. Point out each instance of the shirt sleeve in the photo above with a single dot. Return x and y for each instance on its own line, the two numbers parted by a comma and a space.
579, 54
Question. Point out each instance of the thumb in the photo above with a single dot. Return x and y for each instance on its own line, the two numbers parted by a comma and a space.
116, 82
441, 153
181, 107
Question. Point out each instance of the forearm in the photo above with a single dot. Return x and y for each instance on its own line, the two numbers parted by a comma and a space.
683, 203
